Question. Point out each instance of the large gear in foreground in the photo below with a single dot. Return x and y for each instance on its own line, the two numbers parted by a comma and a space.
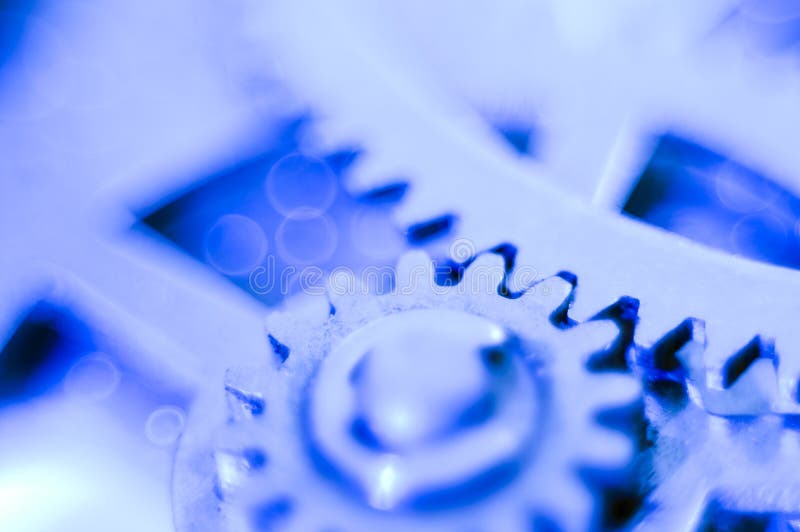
433, 407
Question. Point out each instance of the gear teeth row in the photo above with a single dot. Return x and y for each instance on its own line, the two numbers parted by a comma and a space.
623, 313
450, 272
745, 385
344, 159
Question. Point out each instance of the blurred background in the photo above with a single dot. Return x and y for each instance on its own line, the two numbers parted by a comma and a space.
168, 174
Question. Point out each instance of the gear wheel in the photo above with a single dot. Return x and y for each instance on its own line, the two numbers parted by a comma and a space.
724, 438
342, 429
425, 135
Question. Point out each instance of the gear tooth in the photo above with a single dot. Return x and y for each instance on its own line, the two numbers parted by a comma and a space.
484, 275
414, 260
591, 336
569, 277
554, 294
302, 312
625, 309
560, 316
508, 252
499, 258
682, 347
229, 473
624, 313
521, 276
313, 309
278, 324
748, 382
342, 285
514, 282
739, 363
234, 463
414, 272
448, 272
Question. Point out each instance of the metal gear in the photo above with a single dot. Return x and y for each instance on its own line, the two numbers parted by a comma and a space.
425, 135
724, 438
433, 407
